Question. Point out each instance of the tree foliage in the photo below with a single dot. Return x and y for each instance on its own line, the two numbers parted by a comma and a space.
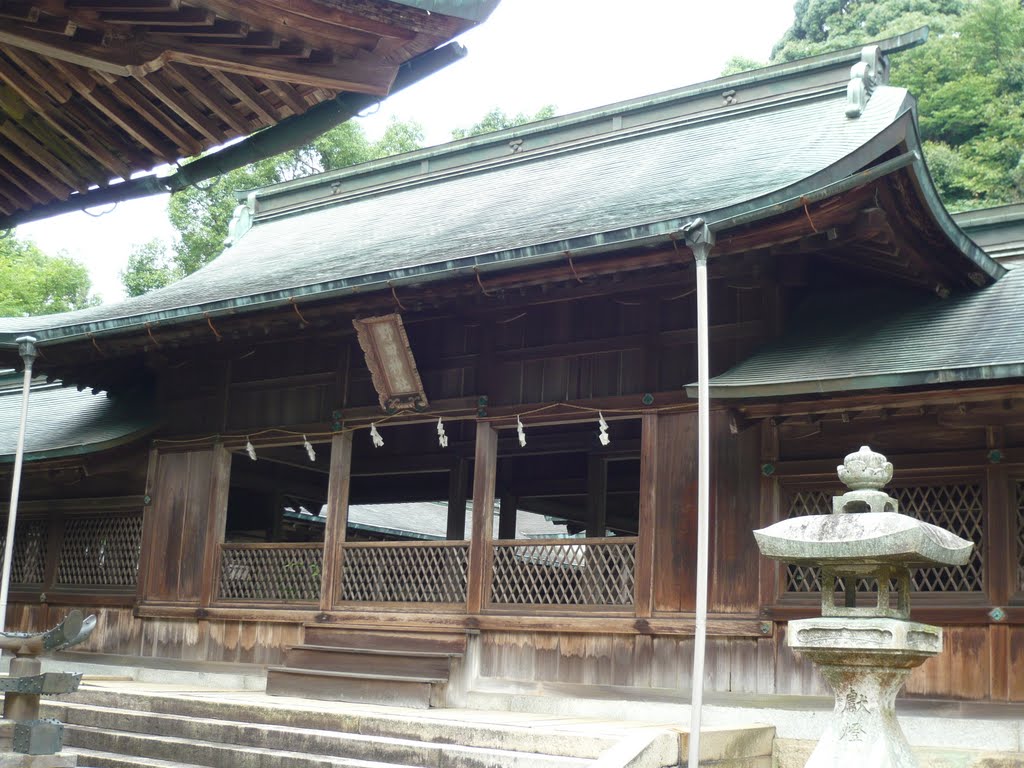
497, 120
737, 64
33, 283
968, 79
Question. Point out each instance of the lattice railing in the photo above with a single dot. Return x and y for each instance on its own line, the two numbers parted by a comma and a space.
28, 561
564, 572
404, 572
100, 551
957, 507
271, 572
1020, 535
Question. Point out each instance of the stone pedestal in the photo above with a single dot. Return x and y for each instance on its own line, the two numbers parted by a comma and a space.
866, 662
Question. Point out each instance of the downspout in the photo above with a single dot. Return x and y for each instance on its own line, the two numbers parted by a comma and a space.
701, 239
27, 350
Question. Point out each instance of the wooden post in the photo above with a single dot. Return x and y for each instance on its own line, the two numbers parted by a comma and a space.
597, 496
484, 475
507, 513
457, 477
1000, 532
216, 520
337, 518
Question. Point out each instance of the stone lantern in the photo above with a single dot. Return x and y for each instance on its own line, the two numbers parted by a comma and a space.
864, 652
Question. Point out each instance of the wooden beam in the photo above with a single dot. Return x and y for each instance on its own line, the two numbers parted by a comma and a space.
116, 62
508, 509
210, 95
108, 106
18, 11
485, 469
33, 192
316, 30
457, 480
337, 518
597, 496
140, 104
216, 523
187, 16
43, 75
41, 155
246, 94
139, 6
44, 180
289, 97
358, 76
158, 85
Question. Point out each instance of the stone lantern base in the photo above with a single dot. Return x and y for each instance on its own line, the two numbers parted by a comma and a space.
866, 662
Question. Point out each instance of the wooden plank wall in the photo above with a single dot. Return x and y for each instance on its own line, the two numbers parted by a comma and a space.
118, 632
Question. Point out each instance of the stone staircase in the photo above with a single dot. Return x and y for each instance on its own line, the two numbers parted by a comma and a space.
397, 668
117, 729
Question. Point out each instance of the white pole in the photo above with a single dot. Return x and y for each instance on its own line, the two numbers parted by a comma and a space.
27, 350
700, 242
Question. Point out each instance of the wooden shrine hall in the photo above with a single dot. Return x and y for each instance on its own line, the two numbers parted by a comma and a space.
442, 403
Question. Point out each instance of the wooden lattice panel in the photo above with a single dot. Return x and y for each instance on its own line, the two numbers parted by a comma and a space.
101, 550
28, 563
271, 572
573, 572
1020, 535
399, 572
957, 507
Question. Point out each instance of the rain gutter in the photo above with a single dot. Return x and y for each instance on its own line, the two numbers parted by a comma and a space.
292, 132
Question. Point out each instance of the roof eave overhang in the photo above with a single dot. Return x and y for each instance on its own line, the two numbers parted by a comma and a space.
852, 171
83, 449
832, 386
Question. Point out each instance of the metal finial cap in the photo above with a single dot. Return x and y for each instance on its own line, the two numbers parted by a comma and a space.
865, 470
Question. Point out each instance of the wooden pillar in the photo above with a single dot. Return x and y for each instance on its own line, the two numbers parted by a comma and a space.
457, 477
484, 475
597, 496
507, 513
338, 484
667, 542
215, 522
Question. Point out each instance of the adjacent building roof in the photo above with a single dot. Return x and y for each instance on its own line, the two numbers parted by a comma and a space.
103, 90
628, 174
875, 339
65, 422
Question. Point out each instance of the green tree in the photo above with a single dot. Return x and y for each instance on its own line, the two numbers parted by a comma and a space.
33, 283
149, 267
497, 120
200, 214
968, 79
737, 64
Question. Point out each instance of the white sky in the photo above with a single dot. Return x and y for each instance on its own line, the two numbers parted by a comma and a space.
574, 54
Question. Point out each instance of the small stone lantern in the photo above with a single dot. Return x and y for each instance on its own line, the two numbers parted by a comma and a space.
864, 652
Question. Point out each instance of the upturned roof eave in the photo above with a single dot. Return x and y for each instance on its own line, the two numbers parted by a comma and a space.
840, 176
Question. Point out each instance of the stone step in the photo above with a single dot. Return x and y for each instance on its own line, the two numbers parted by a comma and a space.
111, 709
390, 640
389, 690
229, 755
89, 758
378, 661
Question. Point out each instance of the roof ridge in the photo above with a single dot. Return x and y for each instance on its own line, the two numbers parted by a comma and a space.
838, 60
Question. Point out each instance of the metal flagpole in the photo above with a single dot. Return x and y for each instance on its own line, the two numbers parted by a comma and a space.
27, 350
700, 239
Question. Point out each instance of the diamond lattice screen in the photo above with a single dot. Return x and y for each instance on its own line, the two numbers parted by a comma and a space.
405, 574
1020, 536
955, 507
564, 574
101, 551
28, 561
272, 574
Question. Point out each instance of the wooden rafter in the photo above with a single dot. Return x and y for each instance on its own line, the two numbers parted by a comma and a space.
159, 86
246, 94
192, 81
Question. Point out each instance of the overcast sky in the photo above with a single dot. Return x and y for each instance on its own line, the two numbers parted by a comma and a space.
574, 54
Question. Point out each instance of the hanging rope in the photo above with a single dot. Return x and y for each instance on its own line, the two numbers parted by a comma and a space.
151, 336
295, 306
572, 266
807, 213
480, 282
209, 322
398, 301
